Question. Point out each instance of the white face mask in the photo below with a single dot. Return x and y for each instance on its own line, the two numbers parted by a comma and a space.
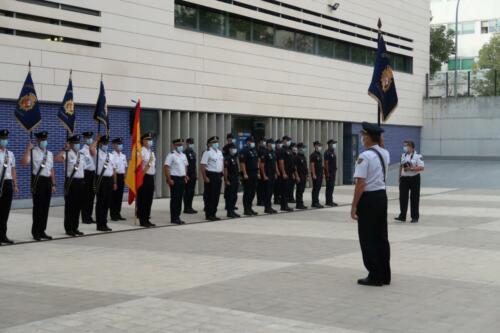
233, 151
405, 149
319, 148
363, 141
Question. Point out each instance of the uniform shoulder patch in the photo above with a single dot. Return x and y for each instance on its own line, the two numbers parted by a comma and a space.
360, 160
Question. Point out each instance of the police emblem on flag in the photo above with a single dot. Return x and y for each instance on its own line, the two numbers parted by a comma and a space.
69, 107
27, 102
386, 79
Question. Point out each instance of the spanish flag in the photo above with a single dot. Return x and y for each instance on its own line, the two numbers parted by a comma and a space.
135, 174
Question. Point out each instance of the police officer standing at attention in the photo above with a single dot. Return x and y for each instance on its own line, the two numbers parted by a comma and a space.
105, 183
287, 170
73, 184
8, 184
212, 168
88, 194
146, 191
301, 176
229, 140
316, 161
330, 172
249, 166
120, 164
175, 169
369, 206
268, 172
261, 185
412, 164
231, 180
277, 183
192, 176
291, 189
43, 183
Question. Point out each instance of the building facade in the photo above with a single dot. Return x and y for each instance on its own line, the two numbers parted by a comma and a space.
209, 67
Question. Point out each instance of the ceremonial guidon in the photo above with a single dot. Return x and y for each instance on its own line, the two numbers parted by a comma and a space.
175, 169
43, 182
249, 166
369, 206
192, 177
8, 184
231, 180
88, 193
330, 159
212, 168
120, 165
145, 193
105, 183
301, 174
268, 173
316, 161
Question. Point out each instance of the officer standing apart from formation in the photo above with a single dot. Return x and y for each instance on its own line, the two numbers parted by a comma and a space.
120, 164
412, 164
268, 172
73, 184
287, 170
369, 206
8, 184
316, 161
88, 194
330, 159
300, 176
231, 180
175, 169
212, 168
249, 166
146, 191
43, 183
192, 176
261, 184
105, 183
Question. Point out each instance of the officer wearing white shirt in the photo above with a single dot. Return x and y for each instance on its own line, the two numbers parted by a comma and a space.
43, 183
175, 169
73, 184
412, 164
88, 193
369, 206
212, 167
120, 164
105, 183
146, 191
8, 184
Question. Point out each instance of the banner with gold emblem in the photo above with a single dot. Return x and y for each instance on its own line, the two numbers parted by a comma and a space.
28, 109
67, 111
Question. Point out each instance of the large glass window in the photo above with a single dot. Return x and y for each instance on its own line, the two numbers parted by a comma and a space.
240, 28
325, 47
398, 63
186, 16
342, 50
284, 38
371, 54
212, 22
358, 54
463, 27
305, 42
263, 33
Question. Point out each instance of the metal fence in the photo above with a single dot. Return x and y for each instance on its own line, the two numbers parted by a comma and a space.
469, 83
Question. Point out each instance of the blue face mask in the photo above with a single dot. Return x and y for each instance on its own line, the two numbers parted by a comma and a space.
104, 147
180, 149
150, 144
76, 146
252, 144
191, 146
90, 141
215, 145
405, 149
44, 144
273, 146
4, 143
119, 147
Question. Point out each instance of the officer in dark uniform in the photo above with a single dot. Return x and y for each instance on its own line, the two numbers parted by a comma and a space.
268, 172
291, 189
249, 167
231, 180
261, 185
88, 194
287, 171
229, 140
192, 176
330, 172
301, 176
105, 183
369, 206
277, 183
316, 161
8, 184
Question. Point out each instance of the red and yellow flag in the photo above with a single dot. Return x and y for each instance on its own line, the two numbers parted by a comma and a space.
135, 174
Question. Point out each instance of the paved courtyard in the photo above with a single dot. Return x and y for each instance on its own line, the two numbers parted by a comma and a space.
293, 272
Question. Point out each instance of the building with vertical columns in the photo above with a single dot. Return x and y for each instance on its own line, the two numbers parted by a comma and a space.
209, 67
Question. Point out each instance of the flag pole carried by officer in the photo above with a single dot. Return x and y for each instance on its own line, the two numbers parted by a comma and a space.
101, 116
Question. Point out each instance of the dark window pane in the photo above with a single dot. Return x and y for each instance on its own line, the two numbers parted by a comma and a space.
358, 54
212, 22
263, 33
399, 63
305, 43
284, 38
342, 50
185, 16
325, 47
408, 65
240, 28
371, 54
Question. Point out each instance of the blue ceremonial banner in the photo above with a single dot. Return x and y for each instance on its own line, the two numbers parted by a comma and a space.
28, 108
101, 109
67, 111
382, 87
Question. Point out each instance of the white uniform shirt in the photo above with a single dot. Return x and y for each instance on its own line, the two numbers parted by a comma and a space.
177, 162
414, 160
39, 158
8, 163
105, 161
89, 160
369, 167
75, 160
120, 162
213, 159
148, 157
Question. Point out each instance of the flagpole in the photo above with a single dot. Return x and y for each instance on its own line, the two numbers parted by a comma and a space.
31, 140
379, 24
67, 150
97, 151
135, 168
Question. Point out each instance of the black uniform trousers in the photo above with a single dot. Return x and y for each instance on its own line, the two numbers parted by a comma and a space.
176, 194
249, 188
286, 185
330, 187
268, 193
103, 201
277, 190
144, 199
189, 193
373, 237
117, 197
88, 196
299, 192
261, 192
409, 185
5, 204
291, 189
231, 193
41, 204
73, 204
212, 193
316, 188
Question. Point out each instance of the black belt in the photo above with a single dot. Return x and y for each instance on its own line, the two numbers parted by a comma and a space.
214, 173
411, 176
148, 175
178, 177
43, 178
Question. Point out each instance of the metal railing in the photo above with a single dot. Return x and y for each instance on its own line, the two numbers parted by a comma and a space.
484, 82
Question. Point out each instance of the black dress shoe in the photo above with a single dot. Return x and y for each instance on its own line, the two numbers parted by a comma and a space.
414, 221
115, 219
287, 209
370, 282
291, 201
182, 222
317, 206
6, 240
231, 215
87, 222
268, 211
335, 204
248, 213
37, 238
151, 224
190, 211
400, 219
108, 228
176, 222
386, 282
236, 215
70, 233
254, 213
121, 218
78, 233
301, 207
45, 236
103, 229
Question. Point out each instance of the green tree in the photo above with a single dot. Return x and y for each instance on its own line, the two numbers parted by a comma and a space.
442, 46
488, 63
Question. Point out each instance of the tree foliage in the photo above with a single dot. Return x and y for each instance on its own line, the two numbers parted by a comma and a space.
488, 63
442, 46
